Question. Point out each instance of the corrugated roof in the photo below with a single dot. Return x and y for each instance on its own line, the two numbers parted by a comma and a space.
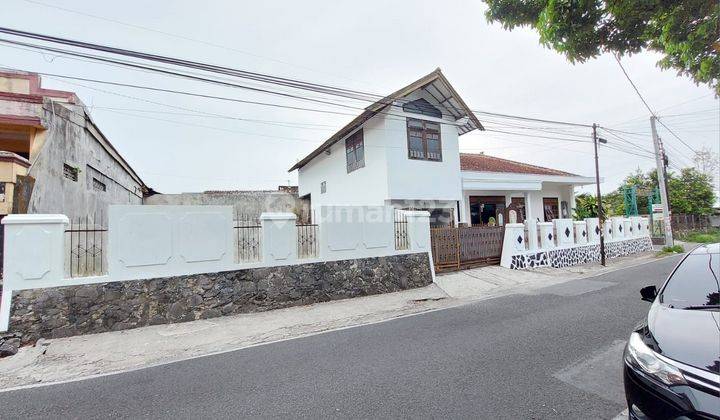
435, 84
481, 162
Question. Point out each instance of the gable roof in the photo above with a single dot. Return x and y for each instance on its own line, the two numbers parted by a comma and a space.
435, 84
481, 162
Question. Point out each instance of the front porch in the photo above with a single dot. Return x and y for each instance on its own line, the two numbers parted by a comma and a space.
486, 196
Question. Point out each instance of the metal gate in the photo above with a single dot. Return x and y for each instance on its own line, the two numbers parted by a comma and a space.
454, 248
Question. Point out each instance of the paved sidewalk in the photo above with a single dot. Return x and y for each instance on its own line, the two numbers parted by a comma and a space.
495, 280
99, 354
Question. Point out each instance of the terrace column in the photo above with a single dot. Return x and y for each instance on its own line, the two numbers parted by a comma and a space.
528, 207
34, 255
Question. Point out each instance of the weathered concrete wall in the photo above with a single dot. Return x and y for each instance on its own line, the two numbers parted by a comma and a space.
70, 140
93, 308
245, 203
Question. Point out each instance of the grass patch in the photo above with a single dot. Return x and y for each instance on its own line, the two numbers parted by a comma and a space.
711, 236
668, 250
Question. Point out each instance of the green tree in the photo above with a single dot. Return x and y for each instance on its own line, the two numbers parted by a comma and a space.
691, 192
684, 31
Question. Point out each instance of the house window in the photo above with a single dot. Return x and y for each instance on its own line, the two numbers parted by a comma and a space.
70, 172
424, 140
323, 187
355, 151
98, 186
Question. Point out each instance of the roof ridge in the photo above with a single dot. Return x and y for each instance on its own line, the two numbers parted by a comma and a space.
528, 165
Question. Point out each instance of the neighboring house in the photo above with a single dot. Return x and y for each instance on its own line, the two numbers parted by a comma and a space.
54, 158
403, 151
246, 204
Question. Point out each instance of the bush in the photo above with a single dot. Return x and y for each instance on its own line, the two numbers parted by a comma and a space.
708, 237
675, 249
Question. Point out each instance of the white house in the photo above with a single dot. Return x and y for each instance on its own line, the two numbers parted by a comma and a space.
403, 151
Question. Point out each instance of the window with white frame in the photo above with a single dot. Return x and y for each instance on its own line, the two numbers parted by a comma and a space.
323, 187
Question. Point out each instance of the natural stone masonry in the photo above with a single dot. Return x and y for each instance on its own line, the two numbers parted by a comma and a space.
93, 308
567, 257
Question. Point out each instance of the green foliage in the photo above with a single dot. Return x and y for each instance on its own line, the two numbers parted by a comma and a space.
675, 249
586, 206
691, 192
709, 237
683, 31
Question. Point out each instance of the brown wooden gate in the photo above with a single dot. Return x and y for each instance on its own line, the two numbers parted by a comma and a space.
454, 248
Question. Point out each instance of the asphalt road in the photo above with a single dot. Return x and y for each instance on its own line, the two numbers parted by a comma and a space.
551, 354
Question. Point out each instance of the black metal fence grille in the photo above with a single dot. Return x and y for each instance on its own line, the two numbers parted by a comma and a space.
248, 235
401, 231
85, 240
307, 240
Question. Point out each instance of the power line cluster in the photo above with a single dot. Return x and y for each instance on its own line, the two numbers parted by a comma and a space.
296, 90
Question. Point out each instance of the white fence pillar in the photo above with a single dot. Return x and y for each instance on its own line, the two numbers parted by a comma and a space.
279, 238
547, 237
34, 255
532, 238
618, 228
593, 230
564, 230
418, 230
581, 233
628, 231
513, 242
644, 226
608, 229
636, 226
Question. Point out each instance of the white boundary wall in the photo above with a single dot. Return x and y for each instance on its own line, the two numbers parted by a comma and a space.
568, 234
146, 242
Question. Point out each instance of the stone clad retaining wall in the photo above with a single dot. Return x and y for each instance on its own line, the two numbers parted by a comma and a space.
93, 308
567, 257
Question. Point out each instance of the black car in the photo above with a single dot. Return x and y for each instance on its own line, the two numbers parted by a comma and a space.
672, 359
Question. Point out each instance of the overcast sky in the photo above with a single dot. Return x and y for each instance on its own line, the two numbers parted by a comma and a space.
374, 46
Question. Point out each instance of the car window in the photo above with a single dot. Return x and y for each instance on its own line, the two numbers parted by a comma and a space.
694, 282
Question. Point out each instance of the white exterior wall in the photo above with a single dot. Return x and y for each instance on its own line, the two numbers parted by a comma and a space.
362, 187
413, 179
388, 173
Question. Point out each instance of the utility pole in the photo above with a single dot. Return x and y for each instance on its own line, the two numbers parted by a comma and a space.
601, 215
662, 183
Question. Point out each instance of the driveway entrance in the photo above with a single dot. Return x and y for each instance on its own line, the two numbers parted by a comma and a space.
455, 248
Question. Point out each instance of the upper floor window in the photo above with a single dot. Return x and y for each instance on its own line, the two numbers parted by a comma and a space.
323, 187
355, 151
98, 185
70, 172
424, 140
